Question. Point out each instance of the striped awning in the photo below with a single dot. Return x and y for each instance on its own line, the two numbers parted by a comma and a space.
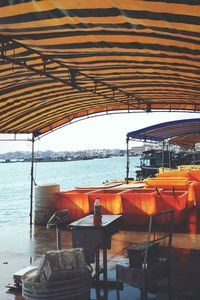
64, 60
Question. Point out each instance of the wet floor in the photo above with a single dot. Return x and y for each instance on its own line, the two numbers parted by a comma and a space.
22, 246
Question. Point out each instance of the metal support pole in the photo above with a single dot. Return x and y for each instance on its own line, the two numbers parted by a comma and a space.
32, 181
194, 160
58, 237
127, 160
169, 150
163, 148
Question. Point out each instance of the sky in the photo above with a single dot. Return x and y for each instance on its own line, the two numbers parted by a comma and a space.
104, 132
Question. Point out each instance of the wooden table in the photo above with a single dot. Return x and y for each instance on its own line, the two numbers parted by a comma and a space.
92, 237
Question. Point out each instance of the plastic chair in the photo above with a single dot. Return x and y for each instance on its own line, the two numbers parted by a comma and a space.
149, 262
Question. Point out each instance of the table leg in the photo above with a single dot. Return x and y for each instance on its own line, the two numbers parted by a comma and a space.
97, 274
105, 274
97, 265
105, 271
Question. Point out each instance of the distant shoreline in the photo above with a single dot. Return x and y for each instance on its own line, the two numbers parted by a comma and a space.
7, 161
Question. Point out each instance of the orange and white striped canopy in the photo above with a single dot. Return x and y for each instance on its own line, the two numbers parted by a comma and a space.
63, 60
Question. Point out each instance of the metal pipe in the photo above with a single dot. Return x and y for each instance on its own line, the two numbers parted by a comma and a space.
58, 237
32, 182
127, 160
194, 152
163, 148
169, 151
15, 140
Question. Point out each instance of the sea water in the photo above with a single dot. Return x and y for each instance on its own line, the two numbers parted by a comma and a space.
15, 180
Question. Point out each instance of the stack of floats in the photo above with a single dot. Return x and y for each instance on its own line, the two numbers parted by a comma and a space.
178, 190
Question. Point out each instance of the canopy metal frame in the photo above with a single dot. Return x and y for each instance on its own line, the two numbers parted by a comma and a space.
72, 75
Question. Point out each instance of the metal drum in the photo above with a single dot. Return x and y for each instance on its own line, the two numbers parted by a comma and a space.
75, 287
45, 202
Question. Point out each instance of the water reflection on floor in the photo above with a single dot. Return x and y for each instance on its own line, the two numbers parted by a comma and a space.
22, 246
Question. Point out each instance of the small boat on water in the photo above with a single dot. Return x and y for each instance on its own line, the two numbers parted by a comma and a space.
152, 160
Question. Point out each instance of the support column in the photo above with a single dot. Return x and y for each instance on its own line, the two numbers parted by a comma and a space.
127, 160
194, 152
32, 182
170, 160
163, 149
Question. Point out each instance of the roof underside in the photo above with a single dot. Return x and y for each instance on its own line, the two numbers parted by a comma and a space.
62, 60
187, 141
184, 133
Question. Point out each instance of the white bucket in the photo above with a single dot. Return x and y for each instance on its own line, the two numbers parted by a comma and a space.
45, 202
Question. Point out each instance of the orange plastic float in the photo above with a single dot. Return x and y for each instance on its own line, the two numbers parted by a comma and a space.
174, 173
137, 205
176, 200
174, 190
110, 200
177, 184
76, 201
194, 175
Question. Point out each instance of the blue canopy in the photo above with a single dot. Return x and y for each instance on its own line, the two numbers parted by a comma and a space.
167, 130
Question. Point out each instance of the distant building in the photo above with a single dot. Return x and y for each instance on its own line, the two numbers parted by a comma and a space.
137, 150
